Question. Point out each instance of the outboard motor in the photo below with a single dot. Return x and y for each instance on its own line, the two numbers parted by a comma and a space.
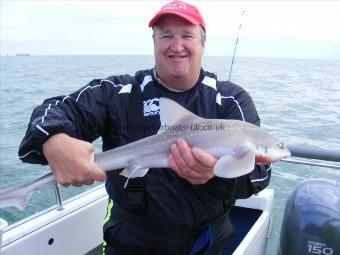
311, 222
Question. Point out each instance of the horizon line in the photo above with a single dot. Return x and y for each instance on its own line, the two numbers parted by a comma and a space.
151, 55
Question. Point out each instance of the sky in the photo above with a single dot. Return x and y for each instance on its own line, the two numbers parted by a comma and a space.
280, 29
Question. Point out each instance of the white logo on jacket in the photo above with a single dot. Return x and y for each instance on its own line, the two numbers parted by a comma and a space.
151, 107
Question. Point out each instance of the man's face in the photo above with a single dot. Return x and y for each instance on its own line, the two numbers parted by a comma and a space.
178, 48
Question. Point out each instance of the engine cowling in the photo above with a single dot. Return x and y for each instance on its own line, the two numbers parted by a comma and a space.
311, 222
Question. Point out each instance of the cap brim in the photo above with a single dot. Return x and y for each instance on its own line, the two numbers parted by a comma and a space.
159, 15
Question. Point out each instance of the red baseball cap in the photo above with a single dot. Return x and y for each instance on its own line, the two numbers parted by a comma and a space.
181, 9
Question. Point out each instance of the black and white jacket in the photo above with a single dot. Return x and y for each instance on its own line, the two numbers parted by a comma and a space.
100, 109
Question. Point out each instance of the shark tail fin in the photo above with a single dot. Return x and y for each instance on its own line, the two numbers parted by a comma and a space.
17, 198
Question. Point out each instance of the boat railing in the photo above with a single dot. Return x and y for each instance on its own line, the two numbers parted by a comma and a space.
313, 153
58, 198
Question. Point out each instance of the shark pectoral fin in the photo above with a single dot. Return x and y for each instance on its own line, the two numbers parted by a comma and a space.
133, 172
233, 165
124, 173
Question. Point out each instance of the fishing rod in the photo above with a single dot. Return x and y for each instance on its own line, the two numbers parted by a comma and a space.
236, 43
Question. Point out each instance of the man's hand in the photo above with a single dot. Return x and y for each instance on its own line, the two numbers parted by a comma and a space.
192, 164
72, 161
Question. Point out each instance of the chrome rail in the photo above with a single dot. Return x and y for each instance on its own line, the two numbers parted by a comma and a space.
312, 152
304, 162
58, 197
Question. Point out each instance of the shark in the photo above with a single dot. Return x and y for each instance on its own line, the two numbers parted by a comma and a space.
237, 144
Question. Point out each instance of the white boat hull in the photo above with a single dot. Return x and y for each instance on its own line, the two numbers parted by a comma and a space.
77, 229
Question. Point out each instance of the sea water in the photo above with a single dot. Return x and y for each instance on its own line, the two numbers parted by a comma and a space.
298, 101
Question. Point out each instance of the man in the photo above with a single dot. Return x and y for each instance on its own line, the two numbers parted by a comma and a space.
182, 210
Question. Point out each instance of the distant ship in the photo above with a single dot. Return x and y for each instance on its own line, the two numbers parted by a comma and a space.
22, 54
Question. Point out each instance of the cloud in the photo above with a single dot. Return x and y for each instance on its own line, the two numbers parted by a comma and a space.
270, 28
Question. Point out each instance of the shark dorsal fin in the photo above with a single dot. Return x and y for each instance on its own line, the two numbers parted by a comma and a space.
173, 114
